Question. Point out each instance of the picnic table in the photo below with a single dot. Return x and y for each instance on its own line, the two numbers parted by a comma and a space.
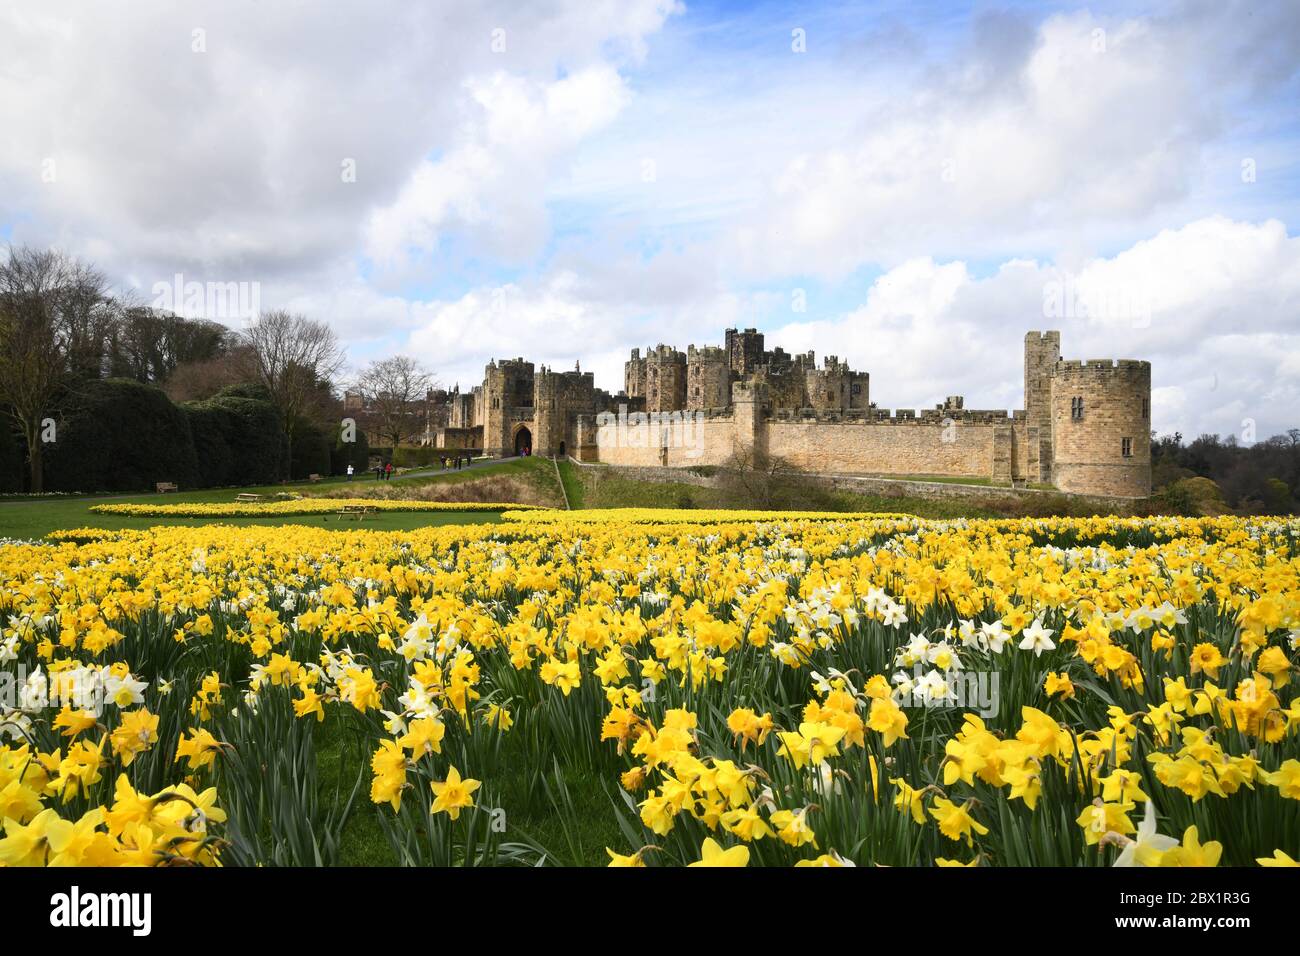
163, 486
360, 512
249, 496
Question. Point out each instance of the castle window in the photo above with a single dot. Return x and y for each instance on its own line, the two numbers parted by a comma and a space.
857, 388
1126, 447
1076, 408
1146, 408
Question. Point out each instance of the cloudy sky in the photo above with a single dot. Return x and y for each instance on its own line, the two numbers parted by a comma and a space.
911, 186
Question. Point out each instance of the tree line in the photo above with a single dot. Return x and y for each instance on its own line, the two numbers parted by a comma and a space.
1258, 478
99, 392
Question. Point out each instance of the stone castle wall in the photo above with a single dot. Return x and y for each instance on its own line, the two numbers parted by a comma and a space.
905, 448
902, 447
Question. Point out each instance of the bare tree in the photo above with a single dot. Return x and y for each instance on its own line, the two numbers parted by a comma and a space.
394, 392
755, 477
292, 356
54, 312
195, 380
149, 345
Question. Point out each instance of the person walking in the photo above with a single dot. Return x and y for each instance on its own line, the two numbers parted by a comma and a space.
349, 472
388, 471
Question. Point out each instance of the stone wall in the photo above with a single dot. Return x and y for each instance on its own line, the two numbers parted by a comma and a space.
458, 438
904, 447
650, 440
895, 448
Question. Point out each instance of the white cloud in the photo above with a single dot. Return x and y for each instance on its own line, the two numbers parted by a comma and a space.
1094, 126
492, 183
226, 162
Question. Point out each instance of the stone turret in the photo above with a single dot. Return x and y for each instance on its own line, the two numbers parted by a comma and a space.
708, 378
665, 379
744, 350
634, 375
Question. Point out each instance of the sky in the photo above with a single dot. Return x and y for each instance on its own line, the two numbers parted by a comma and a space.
909, 186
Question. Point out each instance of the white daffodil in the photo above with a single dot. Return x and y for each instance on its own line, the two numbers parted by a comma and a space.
893, 615
34, 695
825, 781
1147, 847
1170, 616
1037, 638
933, 687
994, 637
966, 632
943, 656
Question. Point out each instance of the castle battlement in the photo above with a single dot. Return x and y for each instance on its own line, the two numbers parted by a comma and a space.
1066, 366
664, 353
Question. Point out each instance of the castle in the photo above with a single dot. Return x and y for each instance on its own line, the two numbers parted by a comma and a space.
1085, 427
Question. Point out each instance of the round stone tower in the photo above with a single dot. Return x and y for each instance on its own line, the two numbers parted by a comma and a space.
1101, 427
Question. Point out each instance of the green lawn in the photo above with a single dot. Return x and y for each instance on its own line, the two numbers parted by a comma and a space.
573, 486
34, 518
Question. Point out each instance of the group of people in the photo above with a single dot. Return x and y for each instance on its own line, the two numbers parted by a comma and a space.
384, 472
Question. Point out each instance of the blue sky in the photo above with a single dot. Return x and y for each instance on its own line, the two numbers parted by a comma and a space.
569, 179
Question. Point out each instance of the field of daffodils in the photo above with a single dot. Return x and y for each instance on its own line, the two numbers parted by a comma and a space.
746, 688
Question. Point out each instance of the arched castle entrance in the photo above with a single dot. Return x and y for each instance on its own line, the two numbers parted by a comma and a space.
523, 440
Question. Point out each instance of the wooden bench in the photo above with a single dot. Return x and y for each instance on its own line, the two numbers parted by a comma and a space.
360, 512
163, 486
313, 478
248, 496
